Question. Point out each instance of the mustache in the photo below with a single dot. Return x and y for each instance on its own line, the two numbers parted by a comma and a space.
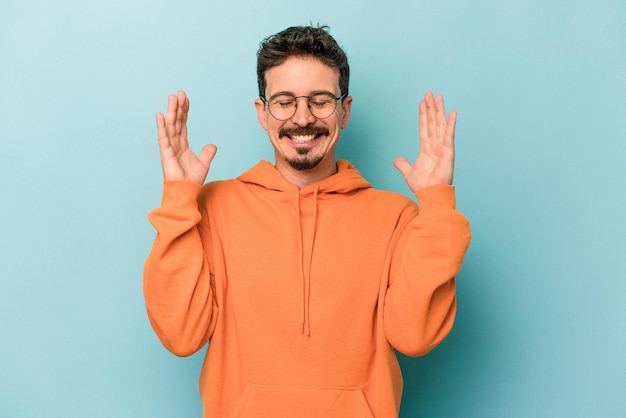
304, 130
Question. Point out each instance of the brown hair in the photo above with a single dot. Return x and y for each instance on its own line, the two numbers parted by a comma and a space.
302, 41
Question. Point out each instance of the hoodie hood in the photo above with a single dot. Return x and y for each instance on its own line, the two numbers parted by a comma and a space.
346, 180
305, 204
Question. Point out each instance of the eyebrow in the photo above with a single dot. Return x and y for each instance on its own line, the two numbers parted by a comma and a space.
289, 93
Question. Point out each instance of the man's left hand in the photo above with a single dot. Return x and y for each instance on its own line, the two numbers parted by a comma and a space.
435, 163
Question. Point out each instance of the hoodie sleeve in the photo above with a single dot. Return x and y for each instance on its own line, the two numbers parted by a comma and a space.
178, 290
420, 304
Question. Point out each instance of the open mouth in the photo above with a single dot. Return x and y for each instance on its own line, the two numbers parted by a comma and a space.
303, 139
303, 136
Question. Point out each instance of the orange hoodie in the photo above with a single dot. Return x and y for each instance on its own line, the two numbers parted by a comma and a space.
303, 293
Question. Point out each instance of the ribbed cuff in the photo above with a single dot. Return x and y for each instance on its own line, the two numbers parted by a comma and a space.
441, 195
180, 193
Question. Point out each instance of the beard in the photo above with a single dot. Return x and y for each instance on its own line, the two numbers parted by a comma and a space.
305, 160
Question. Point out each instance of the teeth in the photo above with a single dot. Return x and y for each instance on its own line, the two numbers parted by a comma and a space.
302, 138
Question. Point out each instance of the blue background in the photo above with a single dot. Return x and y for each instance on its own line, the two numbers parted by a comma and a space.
540, 87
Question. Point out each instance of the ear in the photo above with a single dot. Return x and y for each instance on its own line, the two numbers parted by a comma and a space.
346, 105
261, 113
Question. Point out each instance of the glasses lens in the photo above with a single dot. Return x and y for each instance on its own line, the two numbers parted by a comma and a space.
282, 107
322, 105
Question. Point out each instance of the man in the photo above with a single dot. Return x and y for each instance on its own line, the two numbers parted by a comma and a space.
304, 278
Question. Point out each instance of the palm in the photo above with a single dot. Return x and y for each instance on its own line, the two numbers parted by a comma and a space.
178, 161
435, 163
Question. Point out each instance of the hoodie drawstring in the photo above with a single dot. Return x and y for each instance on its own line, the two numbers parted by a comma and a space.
305, 272
301, 262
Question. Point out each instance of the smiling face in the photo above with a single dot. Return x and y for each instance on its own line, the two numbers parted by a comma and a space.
304, 146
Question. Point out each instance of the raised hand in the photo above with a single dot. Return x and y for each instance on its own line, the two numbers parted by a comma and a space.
178, 161
435, 163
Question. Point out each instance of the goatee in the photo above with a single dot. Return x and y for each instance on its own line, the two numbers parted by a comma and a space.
305, 160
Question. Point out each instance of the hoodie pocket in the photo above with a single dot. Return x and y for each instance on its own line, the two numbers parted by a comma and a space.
259, 401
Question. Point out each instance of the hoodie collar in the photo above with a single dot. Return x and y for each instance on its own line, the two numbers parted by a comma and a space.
347, 179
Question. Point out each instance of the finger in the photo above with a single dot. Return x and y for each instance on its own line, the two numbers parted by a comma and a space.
207, 154
160, 120
403, 165
181, 112
430, 114
440, 116
450, 129
183, 131
170, 116
162, 131
423, 121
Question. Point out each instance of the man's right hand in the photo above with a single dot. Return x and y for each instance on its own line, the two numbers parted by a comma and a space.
178, 161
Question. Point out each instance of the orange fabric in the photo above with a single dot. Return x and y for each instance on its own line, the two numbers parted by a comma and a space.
303, 294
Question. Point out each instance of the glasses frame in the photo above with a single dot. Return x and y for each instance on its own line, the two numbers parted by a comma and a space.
308, 102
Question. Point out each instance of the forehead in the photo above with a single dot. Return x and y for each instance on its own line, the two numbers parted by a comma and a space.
301, 76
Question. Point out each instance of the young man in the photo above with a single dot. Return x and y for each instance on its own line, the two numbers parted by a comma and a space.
304, 278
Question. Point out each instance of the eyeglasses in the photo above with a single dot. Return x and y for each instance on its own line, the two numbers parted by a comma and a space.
321, 105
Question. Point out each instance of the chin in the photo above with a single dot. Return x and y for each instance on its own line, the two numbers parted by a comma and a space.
304, 164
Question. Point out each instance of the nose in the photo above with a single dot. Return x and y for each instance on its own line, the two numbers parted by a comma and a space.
303, 115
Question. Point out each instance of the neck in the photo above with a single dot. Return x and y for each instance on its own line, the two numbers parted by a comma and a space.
303, 178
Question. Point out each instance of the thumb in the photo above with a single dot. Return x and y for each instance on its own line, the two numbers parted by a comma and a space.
403, 165
207, 154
